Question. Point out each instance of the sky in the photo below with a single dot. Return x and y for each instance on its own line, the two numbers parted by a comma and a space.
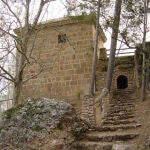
56, 9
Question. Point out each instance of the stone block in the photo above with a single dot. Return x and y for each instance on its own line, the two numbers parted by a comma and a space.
122, 146
103, 147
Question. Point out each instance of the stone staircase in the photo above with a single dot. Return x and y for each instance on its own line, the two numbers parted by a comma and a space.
119, 126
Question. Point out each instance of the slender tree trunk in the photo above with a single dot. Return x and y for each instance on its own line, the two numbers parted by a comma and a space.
19, 72
18, 83
95, 51
114, 36
143, 78
17, 91
146, 2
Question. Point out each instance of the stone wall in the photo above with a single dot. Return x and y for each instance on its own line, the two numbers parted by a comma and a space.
65, 67
125, 66
101, 69
88, 109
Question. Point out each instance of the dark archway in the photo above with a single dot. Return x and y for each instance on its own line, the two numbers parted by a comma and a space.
122, 82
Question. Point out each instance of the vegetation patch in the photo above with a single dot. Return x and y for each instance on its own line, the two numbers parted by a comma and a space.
104, 66
10, 112
60, 126
79, 147
37, 128
79, 93
89, 18
78, 133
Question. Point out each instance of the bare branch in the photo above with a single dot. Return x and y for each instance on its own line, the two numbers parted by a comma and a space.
6, 100
6, 32
4, 87
6, 72
18, 49
4, 76
38, 14
42, 3
6, 3
27, 14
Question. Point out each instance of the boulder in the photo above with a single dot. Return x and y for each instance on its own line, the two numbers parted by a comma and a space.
40, 124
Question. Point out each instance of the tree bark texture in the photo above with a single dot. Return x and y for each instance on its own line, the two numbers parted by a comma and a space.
113, 45
146, 2
95, 52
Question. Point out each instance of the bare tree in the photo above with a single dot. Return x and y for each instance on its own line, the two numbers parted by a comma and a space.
25, 19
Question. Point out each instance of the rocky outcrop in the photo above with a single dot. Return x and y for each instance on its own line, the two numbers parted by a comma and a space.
147, 143
40, 124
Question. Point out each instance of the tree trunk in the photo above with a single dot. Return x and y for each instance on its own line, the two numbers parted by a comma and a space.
95, 52
17, 91
144, 51
114, 36
143, 78
19, 72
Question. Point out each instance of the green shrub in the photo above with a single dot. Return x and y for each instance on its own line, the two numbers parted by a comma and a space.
10, 112
60, 126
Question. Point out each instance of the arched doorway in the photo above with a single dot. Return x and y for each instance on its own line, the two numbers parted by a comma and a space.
122, 82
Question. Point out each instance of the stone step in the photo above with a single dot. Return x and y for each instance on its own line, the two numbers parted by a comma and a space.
125, 97
121, 111
127, 100
121, 105
119, 122
117, 109
118, 145
122, 102
121, 93
114, 119
121, 108
119, 117
88, 145
129, 89
110, 136
108, 128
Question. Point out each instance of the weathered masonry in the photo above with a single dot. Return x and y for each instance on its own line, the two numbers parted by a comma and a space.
63, 50
125, 78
